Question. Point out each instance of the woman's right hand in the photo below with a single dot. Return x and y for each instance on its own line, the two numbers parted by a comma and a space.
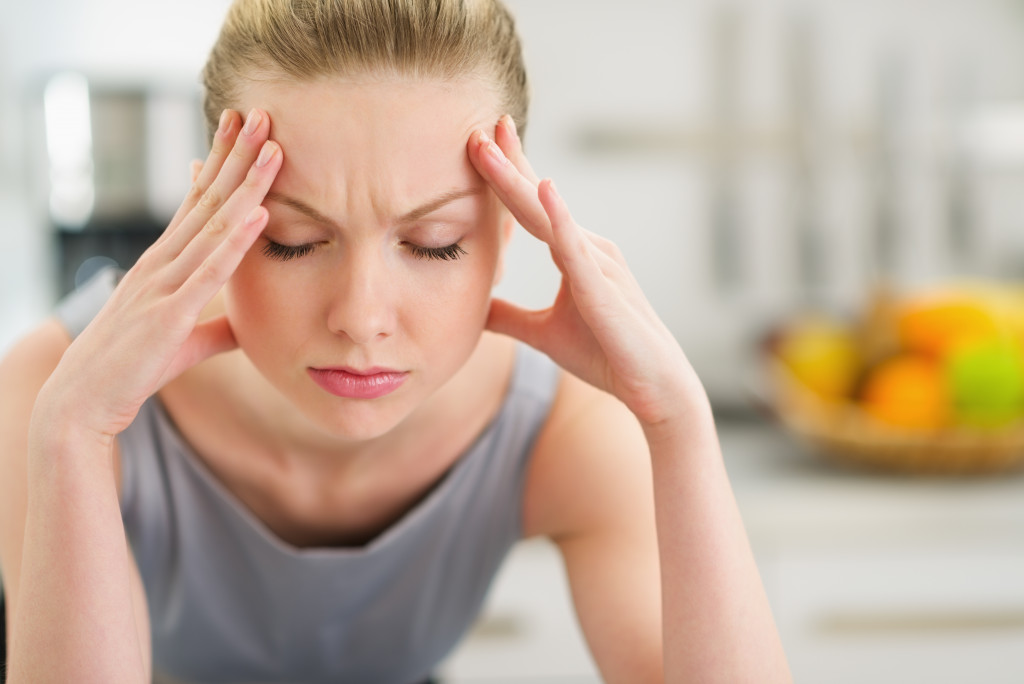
149, 331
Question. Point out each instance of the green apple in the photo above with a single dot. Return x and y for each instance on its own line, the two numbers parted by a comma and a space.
986, 379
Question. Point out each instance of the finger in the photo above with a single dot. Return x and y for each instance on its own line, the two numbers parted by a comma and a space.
214, 271
507, 137
514, 189
506, 318
217, 181
195, 167
577, 254
237, 209
223, 140
207, 339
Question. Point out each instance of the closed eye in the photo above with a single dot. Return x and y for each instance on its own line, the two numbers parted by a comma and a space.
275, 250
449, 253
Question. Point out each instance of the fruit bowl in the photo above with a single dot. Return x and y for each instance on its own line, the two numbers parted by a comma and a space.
844, 432
928, 383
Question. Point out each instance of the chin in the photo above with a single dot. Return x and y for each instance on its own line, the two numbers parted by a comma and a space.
358, 420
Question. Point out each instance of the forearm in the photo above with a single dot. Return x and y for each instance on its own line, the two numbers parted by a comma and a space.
718, 626
74, 620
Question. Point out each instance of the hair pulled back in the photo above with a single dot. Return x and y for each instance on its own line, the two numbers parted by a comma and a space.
305, 40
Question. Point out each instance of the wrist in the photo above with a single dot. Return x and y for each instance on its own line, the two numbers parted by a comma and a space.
61, 423
682, 408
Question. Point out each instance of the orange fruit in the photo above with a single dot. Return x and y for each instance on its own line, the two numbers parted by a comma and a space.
936, 325
907, 391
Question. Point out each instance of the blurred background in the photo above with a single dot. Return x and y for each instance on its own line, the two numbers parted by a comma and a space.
755, 161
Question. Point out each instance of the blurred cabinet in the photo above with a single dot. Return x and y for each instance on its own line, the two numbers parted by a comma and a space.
948, 613
111, 158
884, 579
81, 254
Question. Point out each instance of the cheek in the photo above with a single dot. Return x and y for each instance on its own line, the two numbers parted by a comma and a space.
257, 306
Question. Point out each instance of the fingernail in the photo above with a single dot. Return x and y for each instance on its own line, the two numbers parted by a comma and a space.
225, 118
266, 154
495, 151
553, 190
255, 215
252, 122
511, 124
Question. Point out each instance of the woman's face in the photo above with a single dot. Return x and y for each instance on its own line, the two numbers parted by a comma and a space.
371, 285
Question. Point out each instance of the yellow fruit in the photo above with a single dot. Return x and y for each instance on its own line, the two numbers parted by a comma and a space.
907, 391
822, 355
935, 325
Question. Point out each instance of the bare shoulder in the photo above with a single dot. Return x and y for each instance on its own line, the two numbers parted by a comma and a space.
27, 365
590, 468
24, 368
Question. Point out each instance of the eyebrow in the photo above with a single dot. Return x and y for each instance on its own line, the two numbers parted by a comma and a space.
416, 214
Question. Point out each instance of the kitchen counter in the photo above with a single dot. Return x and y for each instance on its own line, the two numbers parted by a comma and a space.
788, 493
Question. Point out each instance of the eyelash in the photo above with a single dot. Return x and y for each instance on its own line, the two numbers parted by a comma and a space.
274, 250
449, 253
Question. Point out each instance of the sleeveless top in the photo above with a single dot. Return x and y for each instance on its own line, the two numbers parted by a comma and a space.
231, 602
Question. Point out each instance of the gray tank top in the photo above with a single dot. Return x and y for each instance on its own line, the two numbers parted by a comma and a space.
231, 602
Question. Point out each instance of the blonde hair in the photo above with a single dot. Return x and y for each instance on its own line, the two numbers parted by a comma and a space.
307, 39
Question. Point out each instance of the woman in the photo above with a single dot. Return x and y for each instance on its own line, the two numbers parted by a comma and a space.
318, 431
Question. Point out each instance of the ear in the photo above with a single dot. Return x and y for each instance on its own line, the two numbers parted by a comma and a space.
508, 229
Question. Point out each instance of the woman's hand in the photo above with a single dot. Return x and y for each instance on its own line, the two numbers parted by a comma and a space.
600, 327
149, 331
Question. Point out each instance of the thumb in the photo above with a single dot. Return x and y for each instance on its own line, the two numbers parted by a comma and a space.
508, 319
207, 339
212, 337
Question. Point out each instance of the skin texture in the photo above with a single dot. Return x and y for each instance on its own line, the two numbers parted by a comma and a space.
626, 476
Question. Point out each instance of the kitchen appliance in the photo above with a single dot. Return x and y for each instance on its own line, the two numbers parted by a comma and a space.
116, 161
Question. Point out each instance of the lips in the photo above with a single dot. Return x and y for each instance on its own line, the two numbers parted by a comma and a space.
350, 383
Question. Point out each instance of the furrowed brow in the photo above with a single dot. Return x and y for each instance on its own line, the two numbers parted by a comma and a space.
416, 214
301, 207
438, 202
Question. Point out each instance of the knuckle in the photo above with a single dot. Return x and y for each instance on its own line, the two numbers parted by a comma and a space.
220, 147
208, 272
215, 225
146, 260
611, 249
252, 179
210, 199
240, 151
195, 193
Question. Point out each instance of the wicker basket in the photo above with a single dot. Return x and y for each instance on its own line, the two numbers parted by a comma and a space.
843, 431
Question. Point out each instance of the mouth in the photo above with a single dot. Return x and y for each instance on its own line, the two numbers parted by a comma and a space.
352, 383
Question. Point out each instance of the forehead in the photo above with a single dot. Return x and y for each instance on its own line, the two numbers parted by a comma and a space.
402, 136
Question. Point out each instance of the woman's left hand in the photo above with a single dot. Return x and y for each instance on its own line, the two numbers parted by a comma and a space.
600, 328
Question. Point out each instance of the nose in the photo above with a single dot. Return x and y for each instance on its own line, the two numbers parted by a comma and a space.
361, 304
